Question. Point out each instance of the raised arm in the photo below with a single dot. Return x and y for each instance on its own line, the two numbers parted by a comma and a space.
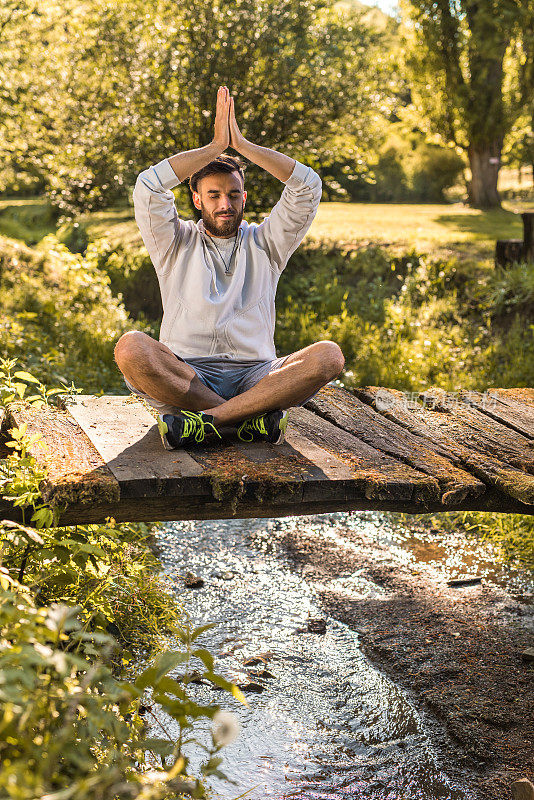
278, 164
283, 230
190, 161
155, 212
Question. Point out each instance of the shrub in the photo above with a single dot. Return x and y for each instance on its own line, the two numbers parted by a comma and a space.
69, 728
57, 307
74, 236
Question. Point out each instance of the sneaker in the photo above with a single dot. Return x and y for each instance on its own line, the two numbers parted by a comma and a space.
270, 427
185, 428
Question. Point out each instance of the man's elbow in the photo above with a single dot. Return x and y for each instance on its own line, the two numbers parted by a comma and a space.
316, 186
141, 191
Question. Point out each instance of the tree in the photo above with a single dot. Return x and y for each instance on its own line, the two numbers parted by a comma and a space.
456, 54
521, 146
135, 81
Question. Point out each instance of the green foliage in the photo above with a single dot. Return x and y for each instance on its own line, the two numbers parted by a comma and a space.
28, 221
410, 322
125, 84
74, 236
131, 276
58, 309
71, 731
409, 169
456, 55
68, 727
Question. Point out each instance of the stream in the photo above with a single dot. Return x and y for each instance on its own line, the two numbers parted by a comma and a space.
328, 724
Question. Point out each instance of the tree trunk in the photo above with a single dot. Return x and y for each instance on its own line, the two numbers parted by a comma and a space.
485, 162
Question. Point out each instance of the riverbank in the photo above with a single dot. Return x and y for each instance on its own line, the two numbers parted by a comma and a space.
456, 650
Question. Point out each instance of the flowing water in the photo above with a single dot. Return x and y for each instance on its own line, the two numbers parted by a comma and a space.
328, 724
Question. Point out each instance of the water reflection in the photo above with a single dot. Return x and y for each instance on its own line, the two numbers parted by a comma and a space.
327, 725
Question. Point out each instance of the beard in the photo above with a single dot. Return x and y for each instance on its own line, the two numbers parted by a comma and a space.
218, 226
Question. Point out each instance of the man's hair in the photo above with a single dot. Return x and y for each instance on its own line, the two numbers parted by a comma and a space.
222, 163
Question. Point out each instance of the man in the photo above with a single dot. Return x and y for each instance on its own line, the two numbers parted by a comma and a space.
215, 365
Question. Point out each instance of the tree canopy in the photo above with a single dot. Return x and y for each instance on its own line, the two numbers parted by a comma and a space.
123, 84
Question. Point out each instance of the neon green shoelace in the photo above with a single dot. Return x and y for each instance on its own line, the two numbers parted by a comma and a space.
195, 424
251, 425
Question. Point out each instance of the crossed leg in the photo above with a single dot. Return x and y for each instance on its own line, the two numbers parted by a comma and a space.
154, 369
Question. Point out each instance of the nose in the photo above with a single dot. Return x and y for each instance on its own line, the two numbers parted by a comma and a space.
226, 207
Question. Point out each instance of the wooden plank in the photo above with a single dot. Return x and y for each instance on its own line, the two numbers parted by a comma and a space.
76, 473
481, 446
524, 396
512, 414
374, 473
126, 436
491, 436
343, 409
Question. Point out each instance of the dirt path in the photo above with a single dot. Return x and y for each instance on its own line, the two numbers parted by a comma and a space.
457, 649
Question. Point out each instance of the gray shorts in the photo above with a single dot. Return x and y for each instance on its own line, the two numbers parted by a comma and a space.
224, 376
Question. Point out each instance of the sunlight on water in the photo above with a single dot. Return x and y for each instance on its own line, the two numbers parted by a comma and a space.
328, 724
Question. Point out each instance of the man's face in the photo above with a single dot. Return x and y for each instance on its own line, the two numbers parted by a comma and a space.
221, 200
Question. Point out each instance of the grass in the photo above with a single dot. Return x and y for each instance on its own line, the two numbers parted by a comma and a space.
443, 230
29, 219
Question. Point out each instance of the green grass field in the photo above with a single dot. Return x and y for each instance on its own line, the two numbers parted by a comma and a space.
441, 230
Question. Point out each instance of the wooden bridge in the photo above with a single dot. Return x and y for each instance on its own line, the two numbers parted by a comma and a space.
373, 448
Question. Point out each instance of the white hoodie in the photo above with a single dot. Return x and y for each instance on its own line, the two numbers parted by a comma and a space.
234, 317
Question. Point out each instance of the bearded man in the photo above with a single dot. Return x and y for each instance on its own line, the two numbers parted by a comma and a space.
215, 365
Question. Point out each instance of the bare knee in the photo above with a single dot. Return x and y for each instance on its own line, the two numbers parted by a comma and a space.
132, 347
329, 360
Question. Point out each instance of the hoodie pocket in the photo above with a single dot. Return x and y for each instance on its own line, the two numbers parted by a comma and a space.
246, 329
187, 330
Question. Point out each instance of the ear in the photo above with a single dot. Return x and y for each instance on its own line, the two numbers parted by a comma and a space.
244, 198
196, 201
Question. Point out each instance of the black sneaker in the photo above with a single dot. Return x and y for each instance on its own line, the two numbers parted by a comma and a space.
185, 428
270, 427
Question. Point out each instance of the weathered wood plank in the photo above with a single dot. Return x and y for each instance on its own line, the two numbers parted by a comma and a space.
375, 474
481, 446
76, 472
525, 396
343, 409
126, 436
174, 508
490, 436
503, 409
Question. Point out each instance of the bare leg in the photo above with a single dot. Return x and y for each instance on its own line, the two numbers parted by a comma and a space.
154, 369
302, 374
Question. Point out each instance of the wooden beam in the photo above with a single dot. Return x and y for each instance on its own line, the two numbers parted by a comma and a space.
349, 413
490, 451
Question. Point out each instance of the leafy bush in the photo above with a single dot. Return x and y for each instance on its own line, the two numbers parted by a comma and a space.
71, 731
29, 222
58, 309
432, 170
74, 236
407, 321
69, 728
408, 169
